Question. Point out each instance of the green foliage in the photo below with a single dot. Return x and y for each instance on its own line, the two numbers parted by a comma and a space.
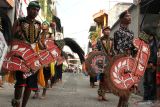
42, 4
144, 37
49, 12
93, 35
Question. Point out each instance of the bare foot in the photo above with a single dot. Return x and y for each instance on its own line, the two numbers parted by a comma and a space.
42, 97
35, 96
99, 98
104, 99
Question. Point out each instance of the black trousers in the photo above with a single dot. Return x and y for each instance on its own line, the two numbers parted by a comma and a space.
149, 84
93, 79
58, 68
30, 82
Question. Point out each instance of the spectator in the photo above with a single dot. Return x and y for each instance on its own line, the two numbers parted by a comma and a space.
150, 73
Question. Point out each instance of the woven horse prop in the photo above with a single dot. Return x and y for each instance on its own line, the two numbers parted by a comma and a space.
122, 71
22, 56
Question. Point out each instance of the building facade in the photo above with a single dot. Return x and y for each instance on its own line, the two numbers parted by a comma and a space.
113, 13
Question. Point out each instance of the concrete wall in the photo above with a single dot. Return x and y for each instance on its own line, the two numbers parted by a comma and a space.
113, 14
134, 26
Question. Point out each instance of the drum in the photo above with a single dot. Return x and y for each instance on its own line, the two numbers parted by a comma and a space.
96, 62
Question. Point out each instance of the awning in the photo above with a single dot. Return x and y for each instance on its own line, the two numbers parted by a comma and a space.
100, 17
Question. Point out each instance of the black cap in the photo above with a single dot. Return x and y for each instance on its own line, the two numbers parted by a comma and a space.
106, 27
123, 14
34, 4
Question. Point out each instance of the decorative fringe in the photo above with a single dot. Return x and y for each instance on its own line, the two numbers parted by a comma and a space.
41, 80
52, 69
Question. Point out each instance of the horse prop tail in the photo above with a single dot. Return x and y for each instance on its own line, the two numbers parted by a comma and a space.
73, 45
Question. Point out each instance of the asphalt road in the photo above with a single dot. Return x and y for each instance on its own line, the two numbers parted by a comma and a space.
73, 91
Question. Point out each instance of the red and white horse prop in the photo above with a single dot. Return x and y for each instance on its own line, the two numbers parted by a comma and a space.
122, 72
126, 71
22, 56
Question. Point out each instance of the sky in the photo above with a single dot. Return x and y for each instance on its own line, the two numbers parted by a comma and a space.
77, 16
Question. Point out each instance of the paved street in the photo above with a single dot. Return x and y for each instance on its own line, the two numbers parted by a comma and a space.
74, 91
